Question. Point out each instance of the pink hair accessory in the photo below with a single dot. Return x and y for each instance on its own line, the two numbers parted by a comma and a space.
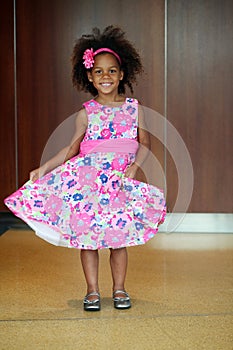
89, 55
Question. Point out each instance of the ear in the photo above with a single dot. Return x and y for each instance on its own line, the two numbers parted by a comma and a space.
89, 76
121, 75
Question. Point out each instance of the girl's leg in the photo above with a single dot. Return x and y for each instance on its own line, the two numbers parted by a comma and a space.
118, 262
90, 264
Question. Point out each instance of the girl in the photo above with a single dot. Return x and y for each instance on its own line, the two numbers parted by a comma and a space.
86, 197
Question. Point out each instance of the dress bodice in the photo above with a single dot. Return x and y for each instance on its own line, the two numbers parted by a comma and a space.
106, 122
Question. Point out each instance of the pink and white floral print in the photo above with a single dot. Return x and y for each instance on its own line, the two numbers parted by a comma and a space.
88, 202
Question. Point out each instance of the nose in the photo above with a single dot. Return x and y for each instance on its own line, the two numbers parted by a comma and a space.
105, 74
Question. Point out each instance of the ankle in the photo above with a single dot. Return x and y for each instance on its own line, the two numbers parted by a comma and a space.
91, 289
118, 287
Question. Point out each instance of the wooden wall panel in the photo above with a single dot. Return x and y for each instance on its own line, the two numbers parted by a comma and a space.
7, 123
200, 104
46, 34
45, 93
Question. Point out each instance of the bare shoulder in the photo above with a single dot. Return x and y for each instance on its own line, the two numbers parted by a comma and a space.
81, 117
141, 116
140, 108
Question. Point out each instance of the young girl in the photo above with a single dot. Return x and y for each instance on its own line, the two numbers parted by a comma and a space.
86, 197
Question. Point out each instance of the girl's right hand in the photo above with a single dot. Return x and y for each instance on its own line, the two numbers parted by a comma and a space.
35, 174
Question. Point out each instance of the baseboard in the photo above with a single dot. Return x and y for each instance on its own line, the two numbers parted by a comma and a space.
174, 222
198, 222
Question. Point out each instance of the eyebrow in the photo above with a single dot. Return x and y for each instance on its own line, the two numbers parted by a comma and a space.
108, 67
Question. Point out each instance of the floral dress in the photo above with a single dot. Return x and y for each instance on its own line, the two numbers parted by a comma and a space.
87, 202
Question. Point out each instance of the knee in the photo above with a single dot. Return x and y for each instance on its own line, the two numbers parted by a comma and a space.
117, 251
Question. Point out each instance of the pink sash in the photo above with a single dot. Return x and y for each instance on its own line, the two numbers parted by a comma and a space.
109, 145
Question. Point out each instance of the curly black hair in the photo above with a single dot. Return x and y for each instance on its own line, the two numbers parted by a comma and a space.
113, 38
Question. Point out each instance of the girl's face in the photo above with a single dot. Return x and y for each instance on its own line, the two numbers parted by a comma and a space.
105, 74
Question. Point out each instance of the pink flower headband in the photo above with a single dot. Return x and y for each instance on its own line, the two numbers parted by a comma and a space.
89, 55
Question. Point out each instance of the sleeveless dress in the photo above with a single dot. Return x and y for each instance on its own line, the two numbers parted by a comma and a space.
87, 202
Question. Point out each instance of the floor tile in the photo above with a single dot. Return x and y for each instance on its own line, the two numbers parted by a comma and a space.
182, 298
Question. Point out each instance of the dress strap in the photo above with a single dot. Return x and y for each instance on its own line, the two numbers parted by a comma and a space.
131, 100
90, 105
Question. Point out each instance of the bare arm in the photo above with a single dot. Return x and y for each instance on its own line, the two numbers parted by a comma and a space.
144, 145
67, 152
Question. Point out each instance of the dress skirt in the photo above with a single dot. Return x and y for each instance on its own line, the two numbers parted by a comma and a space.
88, 203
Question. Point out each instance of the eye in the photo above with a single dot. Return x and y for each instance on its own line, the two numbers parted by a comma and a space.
98, 71
113, 71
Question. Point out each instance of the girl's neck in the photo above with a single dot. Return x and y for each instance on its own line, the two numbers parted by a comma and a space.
110, 100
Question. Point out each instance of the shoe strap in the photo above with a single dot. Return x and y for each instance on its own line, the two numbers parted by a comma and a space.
92, 293
86, 301
119, 291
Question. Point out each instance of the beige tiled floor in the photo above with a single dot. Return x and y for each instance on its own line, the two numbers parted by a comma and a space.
181, 287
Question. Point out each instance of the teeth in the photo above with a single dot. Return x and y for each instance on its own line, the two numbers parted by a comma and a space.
106, 84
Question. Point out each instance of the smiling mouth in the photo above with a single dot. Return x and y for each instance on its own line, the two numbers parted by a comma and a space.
106, 84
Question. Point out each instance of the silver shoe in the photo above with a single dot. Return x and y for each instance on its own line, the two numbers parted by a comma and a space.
121, 302
91, 305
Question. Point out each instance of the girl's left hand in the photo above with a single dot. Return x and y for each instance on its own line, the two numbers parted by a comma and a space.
131, 171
